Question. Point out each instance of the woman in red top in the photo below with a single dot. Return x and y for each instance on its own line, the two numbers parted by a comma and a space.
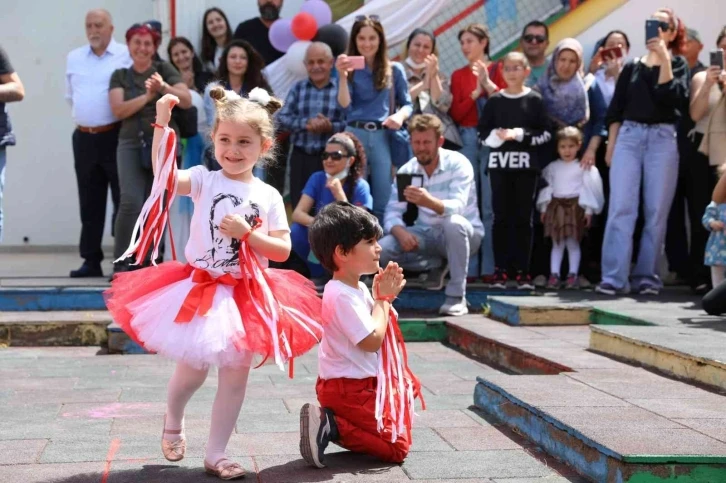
470, 87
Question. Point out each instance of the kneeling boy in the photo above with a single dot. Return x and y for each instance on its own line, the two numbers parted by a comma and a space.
345, 240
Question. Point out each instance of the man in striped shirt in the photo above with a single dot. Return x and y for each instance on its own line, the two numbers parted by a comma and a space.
312, 114
443, 209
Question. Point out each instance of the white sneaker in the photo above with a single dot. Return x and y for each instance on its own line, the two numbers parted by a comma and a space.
454, 310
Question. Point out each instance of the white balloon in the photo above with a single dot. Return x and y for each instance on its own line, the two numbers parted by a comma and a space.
295, 58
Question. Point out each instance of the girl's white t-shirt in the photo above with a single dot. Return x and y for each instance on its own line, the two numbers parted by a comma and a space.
216, 196
347, 315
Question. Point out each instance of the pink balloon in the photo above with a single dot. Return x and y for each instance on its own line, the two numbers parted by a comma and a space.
318, 9
281, 36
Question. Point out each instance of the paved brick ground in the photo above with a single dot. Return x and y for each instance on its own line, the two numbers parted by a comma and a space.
72, 416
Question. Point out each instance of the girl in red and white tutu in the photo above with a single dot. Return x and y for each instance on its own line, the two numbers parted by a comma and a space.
224, 308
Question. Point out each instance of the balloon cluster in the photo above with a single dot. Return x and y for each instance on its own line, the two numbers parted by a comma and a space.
312, 23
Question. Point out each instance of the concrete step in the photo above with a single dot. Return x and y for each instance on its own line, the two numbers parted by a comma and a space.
603, 437
413, 330
608, 420
50, 298
537, 310
60, 328
694, 355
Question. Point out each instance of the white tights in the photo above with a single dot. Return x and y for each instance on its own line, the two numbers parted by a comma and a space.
227, 403
558, 252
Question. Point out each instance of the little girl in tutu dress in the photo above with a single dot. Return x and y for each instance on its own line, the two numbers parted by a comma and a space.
225, 308
572, 195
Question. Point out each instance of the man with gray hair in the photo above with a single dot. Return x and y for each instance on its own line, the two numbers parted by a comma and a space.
88, 74
311, 114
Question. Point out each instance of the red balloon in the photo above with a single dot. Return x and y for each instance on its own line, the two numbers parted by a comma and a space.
304, 26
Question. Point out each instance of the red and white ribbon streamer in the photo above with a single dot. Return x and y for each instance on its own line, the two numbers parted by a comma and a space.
397, 385
149, 228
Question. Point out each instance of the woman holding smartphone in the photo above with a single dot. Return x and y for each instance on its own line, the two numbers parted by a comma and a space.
367, 78
647, 104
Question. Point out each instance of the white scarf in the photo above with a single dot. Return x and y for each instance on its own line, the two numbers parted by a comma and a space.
414, 65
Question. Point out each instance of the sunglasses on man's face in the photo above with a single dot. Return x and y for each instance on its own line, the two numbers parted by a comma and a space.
531, 38
336, 156
360, 18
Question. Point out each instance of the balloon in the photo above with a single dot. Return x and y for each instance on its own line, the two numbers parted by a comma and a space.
295, 58
335, 36
281, 36
304, 26
320, 10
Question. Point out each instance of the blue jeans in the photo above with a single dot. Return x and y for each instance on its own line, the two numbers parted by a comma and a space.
481, 263
648, 153
378, 153
301, 247
3, 159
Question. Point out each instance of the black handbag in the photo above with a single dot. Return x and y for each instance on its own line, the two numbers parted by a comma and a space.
399, 140
186, 121
144, 139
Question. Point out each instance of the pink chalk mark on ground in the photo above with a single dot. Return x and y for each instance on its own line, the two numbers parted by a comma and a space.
113, 410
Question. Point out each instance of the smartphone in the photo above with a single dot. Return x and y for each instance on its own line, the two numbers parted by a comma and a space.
403, 181
358, 62
651, 29
611, 53
717, 58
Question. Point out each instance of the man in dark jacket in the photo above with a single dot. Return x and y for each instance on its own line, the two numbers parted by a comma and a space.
11, 90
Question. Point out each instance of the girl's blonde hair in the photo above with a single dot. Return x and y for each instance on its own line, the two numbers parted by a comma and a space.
230, 106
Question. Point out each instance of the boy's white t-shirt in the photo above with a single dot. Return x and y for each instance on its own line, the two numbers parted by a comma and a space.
347, 316
216, 196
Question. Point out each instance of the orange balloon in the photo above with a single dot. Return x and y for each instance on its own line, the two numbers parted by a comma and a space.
304, 26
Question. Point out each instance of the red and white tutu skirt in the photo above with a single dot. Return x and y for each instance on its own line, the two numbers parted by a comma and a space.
186, 314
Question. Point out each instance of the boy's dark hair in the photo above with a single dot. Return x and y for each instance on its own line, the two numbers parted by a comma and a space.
537, 23
340, 224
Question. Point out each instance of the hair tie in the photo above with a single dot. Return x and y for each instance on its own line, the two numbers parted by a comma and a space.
260, 96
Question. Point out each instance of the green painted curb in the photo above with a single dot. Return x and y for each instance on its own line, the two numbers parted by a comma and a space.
698, 474
606, 317
675, 459
423, 330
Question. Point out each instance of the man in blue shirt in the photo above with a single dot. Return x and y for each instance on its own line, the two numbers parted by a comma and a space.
311, 114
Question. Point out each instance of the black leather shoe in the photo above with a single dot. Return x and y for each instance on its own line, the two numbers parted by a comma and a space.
87, 270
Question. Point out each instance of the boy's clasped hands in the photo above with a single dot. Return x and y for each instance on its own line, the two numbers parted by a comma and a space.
388, 282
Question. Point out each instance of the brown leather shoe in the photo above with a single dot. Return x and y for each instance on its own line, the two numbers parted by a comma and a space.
225, 469
173, 450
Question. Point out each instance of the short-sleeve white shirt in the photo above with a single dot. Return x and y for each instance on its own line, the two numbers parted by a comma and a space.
216, 196
347, 315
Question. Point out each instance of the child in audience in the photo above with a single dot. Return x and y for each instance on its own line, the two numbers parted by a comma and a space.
567, 204
714, 220
514, 125
365, 387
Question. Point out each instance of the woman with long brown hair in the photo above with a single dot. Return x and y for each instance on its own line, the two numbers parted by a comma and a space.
377, 99
240, 70
216, 34
650, 95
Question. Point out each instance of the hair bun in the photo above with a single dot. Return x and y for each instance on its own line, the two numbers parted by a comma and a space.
218, 93
273, 106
